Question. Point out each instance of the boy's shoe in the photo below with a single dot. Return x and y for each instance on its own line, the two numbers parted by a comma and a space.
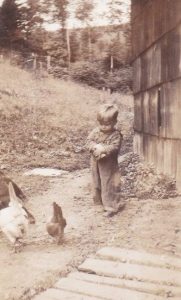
99, 208
121, 206
109, 214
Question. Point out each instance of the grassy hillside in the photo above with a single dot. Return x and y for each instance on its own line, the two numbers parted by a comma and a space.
45, 121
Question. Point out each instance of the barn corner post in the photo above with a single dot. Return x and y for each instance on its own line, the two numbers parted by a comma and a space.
156, 56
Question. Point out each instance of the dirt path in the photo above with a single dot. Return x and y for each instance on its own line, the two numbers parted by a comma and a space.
42, 260
149, 225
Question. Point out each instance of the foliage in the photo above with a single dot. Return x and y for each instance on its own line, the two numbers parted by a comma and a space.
89, 73
96, 75
59, 13
74, 46
62, 11
30, 17
84, 11
84, 14
93, 43
55, 47
21, 23
58, 9
115, 11
85, 54
9, 15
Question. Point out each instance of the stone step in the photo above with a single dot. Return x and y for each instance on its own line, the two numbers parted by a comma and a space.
56, 294
146, 287
143, 258
120, 274
103, 292
131, 271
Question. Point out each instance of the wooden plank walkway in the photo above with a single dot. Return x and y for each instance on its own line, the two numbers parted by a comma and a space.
120, 274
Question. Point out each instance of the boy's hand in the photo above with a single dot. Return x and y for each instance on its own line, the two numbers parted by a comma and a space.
99, 151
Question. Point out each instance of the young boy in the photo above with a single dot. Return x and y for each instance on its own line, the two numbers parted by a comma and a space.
104, 143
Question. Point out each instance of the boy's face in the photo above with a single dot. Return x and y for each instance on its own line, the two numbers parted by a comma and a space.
107, 126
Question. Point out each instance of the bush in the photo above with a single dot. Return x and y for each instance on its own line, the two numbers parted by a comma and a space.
88, 73
94, 74
119, 80
60, 72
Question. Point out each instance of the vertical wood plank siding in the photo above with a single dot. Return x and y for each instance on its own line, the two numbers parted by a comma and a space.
156, 52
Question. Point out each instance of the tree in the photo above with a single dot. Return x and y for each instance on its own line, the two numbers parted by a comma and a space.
61, 12
9, 22
84, 14
74, 45
21, 25
30, 17
62, 16
2, 31
116, 15
115, 11
84, 11
58, 10
55, 47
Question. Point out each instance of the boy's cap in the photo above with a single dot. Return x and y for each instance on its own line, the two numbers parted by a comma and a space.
107, 113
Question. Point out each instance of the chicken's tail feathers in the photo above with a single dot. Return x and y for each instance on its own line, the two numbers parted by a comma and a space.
57, 212
14, 200
29, 215
64, 222
54, 205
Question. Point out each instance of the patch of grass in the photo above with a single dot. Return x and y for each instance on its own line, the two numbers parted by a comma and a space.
45, 121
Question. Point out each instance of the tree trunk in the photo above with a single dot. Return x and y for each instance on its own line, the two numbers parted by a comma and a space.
111, 64
89, 44
48, 62
68, 47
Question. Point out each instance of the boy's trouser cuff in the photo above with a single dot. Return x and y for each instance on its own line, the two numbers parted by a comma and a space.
97, 197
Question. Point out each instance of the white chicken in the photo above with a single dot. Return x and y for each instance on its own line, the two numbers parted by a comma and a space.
14, 220
5, 198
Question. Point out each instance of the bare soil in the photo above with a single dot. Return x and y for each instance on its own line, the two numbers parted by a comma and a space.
45, 123
152, 225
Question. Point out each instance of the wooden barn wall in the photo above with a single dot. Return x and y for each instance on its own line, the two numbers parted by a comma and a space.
156, 40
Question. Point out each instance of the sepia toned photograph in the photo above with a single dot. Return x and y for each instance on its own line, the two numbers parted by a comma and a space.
90, 149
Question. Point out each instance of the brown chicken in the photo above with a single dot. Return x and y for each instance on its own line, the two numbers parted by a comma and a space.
5, 198
57, 223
